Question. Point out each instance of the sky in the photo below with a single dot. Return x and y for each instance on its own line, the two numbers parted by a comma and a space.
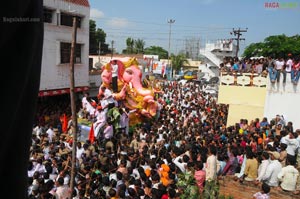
195, 20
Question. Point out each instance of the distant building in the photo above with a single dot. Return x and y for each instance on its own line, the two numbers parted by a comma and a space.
58, 26
214, 53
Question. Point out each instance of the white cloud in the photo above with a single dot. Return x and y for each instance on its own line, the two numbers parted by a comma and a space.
94, 13
118, 23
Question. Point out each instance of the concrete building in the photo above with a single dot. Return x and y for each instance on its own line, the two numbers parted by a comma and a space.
58, 22
253, 96
215, 52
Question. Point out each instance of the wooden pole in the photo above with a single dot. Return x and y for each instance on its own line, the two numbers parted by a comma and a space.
73, 105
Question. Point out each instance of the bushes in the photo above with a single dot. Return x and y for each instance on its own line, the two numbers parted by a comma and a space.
189, 189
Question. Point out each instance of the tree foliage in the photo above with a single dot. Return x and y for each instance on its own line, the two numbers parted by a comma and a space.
97, 35
130, 46
134, 46
187, 186
139, 45
178, 61
274, 46
156, 50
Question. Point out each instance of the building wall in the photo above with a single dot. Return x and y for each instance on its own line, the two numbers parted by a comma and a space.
53, 74
283, 99
244, 102
250, 102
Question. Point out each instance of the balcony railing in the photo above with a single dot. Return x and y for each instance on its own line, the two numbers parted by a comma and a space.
243, 79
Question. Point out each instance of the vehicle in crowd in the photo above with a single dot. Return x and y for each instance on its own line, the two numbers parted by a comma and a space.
188, 75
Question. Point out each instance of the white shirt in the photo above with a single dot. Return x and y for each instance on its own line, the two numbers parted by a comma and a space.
123, 120
84, 101
79, 152
288, 177
38, 131
104, 103
292, 145
271, 175
108, 132
289, 64
114, 70
101, 121
279, 65
108, 96
50, 133
262, 169
180, 165
211, 167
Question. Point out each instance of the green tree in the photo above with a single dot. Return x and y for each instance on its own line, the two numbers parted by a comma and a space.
130, 46
275, 46
92, 38
178, 61
96, 35
139, 45
156, 50
187, 186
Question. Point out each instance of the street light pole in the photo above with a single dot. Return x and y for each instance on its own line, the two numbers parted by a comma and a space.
170, 21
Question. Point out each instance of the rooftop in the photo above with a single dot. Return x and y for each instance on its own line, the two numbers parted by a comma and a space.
79, 2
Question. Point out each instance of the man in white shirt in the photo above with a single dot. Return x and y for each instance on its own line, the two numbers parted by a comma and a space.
289, 64
263, 166
181, 162
273, 169
279, 64
288, 177
292, 146
108, 97
114, 66
84, 100
50, 133
101, 121
211, 164
108, 131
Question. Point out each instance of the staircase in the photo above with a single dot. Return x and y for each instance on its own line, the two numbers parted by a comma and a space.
213, 58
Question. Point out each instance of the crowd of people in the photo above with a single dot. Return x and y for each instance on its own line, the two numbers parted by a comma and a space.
276, 68
190, 135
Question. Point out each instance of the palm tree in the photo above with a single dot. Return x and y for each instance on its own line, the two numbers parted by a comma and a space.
139, 45
178, 61
130, 44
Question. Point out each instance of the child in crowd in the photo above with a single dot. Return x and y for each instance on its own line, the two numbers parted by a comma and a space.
264, 193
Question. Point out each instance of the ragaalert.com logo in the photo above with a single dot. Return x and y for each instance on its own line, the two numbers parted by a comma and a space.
282, 5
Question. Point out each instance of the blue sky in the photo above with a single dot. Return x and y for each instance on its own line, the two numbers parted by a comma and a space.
195, 20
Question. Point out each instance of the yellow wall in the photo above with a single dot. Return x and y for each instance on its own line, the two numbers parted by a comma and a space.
244, 102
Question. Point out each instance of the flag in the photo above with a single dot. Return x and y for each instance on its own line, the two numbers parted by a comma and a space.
91, 134
65, 124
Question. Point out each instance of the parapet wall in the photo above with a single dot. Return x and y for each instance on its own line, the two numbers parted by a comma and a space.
283, 99
251, 96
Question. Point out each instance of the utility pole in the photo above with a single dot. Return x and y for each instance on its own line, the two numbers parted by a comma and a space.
238, 34
73, 105
99, 50
112, 48
170, 21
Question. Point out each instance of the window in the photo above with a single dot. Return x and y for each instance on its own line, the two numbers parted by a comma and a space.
47, 15
67, 20
90, 63
65, 52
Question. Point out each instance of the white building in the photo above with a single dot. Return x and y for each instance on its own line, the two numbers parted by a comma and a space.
214, 53
58, 22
